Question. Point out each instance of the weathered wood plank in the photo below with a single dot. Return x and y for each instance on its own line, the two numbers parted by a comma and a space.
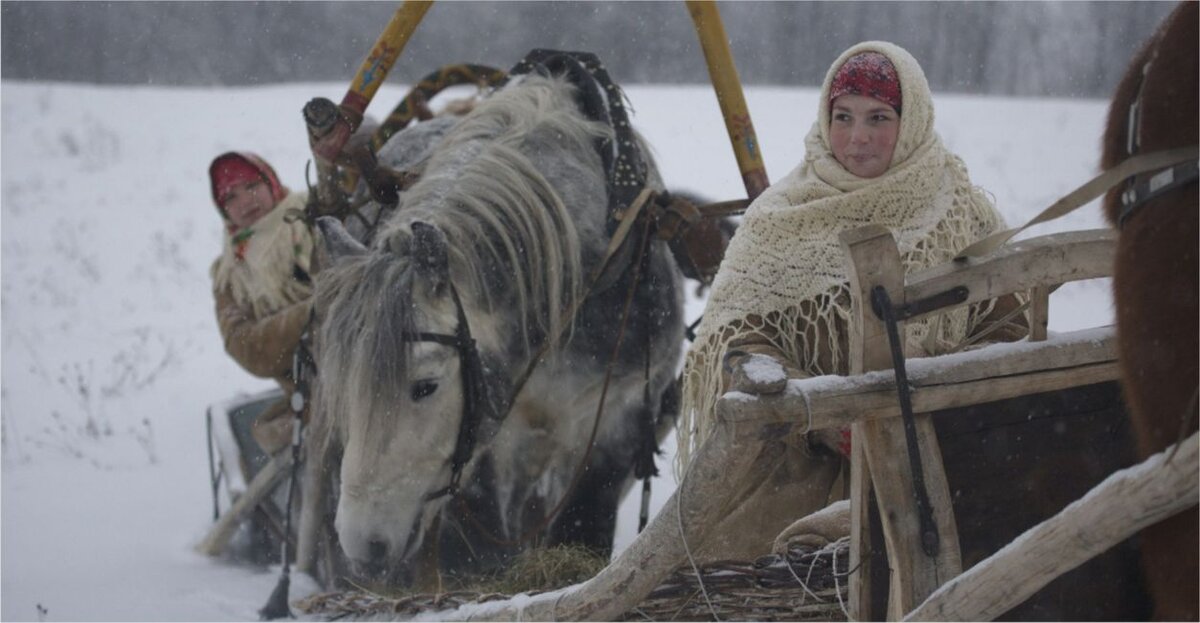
1123, 504
313, 502
1043, 261
860, 532
874, 261
1039, 313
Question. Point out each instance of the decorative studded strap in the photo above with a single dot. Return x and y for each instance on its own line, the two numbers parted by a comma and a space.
600, 99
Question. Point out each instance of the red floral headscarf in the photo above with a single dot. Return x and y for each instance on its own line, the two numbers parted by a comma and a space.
870, 74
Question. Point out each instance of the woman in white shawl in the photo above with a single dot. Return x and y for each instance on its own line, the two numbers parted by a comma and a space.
782, 292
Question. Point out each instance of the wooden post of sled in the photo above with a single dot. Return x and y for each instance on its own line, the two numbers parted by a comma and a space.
875, 261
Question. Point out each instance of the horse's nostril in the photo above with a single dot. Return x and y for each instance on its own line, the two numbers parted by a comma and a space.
377, 550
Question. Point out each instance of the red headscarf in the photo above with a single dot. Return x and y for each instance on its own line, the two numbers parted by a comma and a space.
870, 74
232, 168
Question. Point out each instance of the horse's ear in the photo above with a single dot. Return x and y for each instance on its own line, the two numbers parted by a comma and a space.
430, 254
336, 241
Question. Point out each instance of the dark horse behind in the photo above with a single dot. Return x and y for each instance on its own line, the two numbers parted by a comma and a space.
1155, 279
456, 384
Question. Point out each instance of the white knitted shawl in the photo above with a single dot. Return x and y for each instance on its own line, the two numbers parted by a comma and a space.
264, 280
787, 251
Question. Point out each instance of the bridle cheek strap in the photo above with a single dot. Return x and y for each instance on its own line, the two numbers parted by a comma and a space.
477, 400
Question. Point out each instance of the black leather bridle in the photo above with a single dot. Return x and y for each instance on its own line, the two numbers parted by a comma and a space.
478, 400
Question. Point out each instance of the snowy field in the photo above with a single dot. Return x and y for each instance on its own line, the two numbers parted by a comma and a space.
111, 351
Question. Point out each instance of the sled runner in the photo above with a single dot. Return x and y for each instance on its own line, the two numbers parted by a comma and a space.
246, 479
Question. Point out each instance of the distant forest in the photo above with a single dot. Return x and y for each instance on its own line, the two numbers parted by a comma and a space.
1070, 49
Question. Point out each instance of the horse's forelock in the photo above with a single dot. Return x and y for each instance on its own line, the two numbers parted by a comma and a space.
362, 353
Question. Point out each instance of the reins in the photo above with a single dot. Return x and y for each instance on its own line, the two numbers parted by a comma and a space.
1090, 190
1173, 168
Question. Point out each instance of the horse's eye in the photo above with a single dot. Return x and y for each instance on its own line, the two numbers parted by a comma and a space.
422, 389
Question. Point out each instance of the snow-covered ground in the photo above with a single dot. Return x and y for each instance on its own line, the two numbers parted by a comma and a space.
111, 352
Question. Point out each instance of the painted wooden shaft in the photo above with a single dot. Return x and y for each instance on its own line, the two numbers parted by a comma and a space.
728, 87
1126, 502
327, 143
384, 53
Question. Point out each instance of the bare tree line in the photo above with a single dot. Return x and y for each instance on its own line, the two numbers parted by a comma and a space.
1014, 48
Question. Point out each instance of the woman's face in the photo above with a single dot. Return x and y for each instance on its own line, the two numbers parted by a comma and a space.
862, 133
247, 202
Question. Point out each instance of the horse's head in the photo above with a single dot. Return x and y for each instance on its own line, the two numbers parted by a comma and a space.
399, 372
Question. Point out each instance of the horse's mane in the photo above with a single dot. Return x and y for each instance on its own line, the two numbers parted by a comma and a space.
512, 244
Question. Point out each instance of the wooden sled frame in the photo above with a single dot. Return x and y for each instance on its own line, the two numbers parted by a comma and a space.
879, 458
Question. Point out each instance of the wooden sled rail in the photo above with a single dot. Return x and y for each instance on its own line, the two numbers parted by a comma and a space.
1045, 261
995, 373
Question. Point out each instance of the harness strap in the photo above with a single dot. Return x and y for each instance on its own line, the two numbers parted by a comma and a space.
1144, 190
1090, 190
881, 304
477, 402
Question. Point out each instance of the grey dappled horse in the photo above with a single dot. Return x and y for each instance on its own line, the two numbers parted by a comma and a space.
438, 319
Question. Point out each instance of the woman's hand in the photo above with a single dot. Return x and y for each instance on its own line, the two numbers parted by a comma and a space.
755, 373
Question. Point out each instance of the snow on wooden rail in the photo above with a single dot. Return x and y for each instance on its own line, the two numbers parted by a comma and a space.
997, 372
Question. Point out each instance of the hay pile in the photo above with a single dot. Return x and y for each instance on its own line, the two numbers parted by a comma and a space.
532, 571
798, 586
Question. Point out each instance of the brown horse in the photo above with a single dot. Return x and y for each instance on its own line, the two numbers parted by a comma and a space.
1155, 285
